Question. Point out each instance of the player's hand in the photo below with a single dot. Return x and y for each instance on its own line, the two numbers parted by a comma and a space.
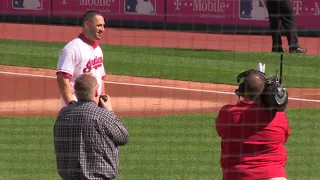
105, 102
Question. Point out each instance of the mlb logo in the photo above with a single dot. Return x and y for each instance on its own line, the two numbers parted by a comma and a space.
27, 4
144, 7
253, 10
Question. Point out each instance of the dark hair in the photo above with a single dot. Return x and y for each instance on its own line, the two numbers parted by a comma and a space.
254, 84
89, 15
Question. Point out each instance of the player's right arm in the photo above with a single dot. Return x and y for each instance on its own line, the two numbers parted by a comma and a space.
65, 69
65, 87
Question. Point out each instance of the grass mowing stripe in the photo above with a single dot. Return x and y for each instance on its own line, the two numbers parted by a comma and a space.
171, 147
203, 66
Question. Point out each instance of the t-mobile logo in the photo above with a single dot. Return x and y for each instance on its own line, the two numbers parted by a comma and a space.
177, 3
203, 5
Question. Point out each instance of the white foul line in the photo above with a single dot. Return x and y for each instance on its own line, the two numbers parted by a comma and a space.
154, 86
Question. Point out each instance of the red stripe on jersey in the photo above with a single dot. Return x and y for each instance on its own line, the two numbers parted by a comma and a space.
94, 44
103, 77
67, 75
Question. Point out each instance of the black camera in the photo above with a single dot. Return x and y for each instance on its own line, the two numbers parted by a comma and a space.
104, 98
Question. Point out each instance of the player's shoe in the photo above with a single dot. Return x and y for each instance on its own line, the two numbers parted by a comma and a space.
298, 50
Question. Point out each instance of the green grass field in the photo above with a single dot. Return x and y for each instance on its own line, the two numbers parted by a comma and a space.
204, 66
173, 147
169, 147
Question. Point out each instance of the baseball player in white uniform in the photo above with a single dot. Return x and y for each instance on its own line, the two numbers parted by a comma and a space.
82, 55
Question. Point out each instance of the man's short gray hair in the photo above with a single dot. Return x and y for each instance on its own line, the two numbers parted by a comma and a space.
85, 86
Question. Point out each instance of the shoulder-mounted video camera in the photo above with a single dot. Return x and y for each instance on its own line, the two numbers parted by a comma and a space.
274, 96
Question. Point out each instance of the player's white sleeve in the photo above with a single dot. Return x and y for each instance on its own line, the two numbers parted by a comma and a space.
67, 61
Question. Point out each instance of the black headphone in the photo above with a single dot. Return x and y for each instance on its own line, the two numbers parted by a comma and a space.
240, 90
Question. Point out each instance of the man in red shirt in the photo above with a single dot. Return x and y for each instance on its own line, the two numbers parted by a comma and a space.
252, 138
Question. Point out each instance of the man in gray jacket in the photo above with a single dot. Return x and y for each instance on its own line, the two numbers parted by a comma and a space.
87, 135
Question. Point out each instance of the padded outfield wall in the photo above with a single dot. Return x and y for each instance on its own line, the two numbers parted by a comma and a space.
223, 16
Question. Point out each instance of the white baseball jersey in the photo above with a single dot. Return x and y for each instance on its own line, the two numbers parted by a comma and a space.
80, 56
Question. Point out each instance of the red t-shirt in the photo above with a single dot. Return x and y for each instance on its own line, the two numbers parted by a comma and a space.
252, 142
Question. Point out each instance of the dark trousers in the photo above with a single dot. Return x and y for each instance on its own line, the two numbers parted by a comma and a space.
282, 11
